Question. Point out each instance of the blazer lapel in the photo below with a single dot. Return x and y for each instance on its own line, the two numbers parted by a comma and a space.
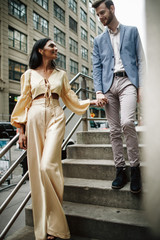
122, 31
108, 40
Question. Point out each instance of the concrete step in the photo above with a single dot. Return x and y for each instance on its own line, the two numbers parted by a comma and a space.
27, 233
95, 151
102, 137
103, 223
93, 169
99, 192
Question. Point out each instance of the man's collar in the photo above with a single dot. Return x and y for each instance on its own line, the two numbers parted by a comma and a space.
117, 30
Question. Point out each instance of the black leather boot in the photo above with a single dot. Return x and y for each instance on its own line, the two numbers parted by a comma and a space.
121, 178
135, 185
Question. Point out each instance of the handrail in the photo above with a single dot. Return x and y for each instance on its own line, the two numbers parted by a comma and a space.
9, 145
12, 220
15, 190
23, 155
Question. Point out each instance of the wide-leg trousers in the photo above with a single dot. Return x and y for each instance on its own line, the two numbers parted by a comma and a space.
45, 131
120, 112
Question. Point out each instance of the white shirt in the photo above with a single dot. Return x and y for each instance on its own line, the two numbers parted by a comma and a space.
115, 41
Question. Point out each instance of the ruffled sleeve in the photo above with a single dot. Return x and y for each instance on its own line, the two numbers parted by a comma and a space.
71, 100
19, 114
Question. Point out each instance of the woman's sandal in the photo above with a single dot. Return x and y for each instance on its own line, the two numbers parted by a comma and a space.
50, 237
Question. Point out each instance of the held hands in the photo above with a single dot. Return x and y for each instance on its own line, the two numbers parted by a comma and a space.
101, 99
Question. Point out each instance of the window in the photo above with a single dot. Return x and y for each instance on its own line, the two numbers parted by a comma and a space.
83, 15
99, 30
84, 34
72, 24
61, 61
73, 45
75, 86
59, 36
17, 39
92, 10
42, 3
84, 1
84, 70
59, 13
16, 70
91, 40
40, 23
92, 25
17, 9
84, 53
73, 66
73, 5
91, 58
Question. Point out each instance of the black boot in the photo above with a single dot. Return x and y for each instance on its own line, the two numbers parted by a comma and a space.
121, 178
135, 180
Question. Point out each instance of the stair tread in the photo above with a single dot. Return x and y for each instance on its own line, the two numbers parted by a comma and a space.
94, 162
91, 183
108, 214
99, 145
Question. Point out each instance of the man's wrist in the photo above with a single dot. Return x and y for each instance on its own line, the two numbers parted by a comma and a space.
99, 92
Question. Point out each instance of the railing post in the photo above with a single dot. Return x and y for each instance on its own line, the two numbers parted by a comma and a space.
83, 97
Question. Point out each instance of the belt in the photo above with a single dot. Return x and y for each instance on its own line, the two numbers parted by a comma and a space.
120, 74
54, 96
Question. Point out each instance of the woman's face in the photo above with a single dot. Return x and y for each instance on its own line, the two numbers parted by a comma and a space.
50, 50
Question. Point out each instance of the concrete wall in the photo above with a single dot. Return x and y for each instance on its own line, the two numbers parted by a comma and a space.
152, 113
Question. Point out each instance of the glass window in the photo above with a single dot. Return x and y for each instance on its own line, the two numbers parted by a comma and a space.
17, 39
73, 45
84, 70
92, 10
92, 25
73, 66
84, 53
91, 40
40, 23
42, 3
59, 13
73, 5
16, 70
99, 30
72, 24
84, 1
84, 34
75, 86
83, 15
59, 36
17, 9
61, 61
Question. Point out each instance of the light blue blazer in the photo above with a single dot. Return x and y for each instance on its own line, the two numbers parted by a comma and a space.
131, 53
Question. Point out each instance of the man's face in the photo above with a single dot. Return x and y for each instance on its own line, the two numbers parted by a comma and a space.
105, 15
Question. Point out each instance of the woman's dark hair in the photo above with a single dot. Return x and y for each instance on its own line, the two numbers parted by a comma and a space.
108, 3
35, 57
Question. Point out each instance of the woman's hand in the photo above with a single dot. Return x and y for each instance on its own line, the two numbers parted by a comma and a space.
22, 138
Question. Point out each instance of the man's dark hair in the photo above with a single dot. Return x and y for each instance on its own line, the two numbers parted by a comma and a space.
35, 57
108, 3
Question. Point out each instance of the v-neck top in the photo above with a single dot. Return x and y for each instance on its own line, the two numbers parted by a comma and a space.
33, 84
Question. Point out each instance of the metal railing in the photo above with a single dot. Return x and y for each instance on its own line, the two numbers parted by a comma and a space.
84, 119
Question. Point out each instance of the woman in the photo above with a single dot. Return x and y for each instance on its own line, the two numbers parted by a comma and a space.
42, 124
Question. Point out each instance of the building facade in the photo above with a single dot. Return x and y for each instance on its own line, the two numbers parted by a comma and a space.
72, 24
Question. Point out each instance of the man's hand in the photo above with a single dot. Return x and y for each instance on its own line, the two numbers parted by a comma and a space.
101, 99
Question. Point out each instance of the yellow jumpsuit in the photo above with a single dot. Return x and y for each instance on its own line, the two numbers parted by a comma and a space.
45, 127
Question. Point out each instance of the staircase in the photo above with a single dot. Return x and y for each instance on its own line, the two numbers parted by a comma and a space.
93, 209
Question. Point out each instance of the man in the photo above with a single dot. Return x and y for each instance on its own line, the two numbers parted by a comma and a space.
118, 69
